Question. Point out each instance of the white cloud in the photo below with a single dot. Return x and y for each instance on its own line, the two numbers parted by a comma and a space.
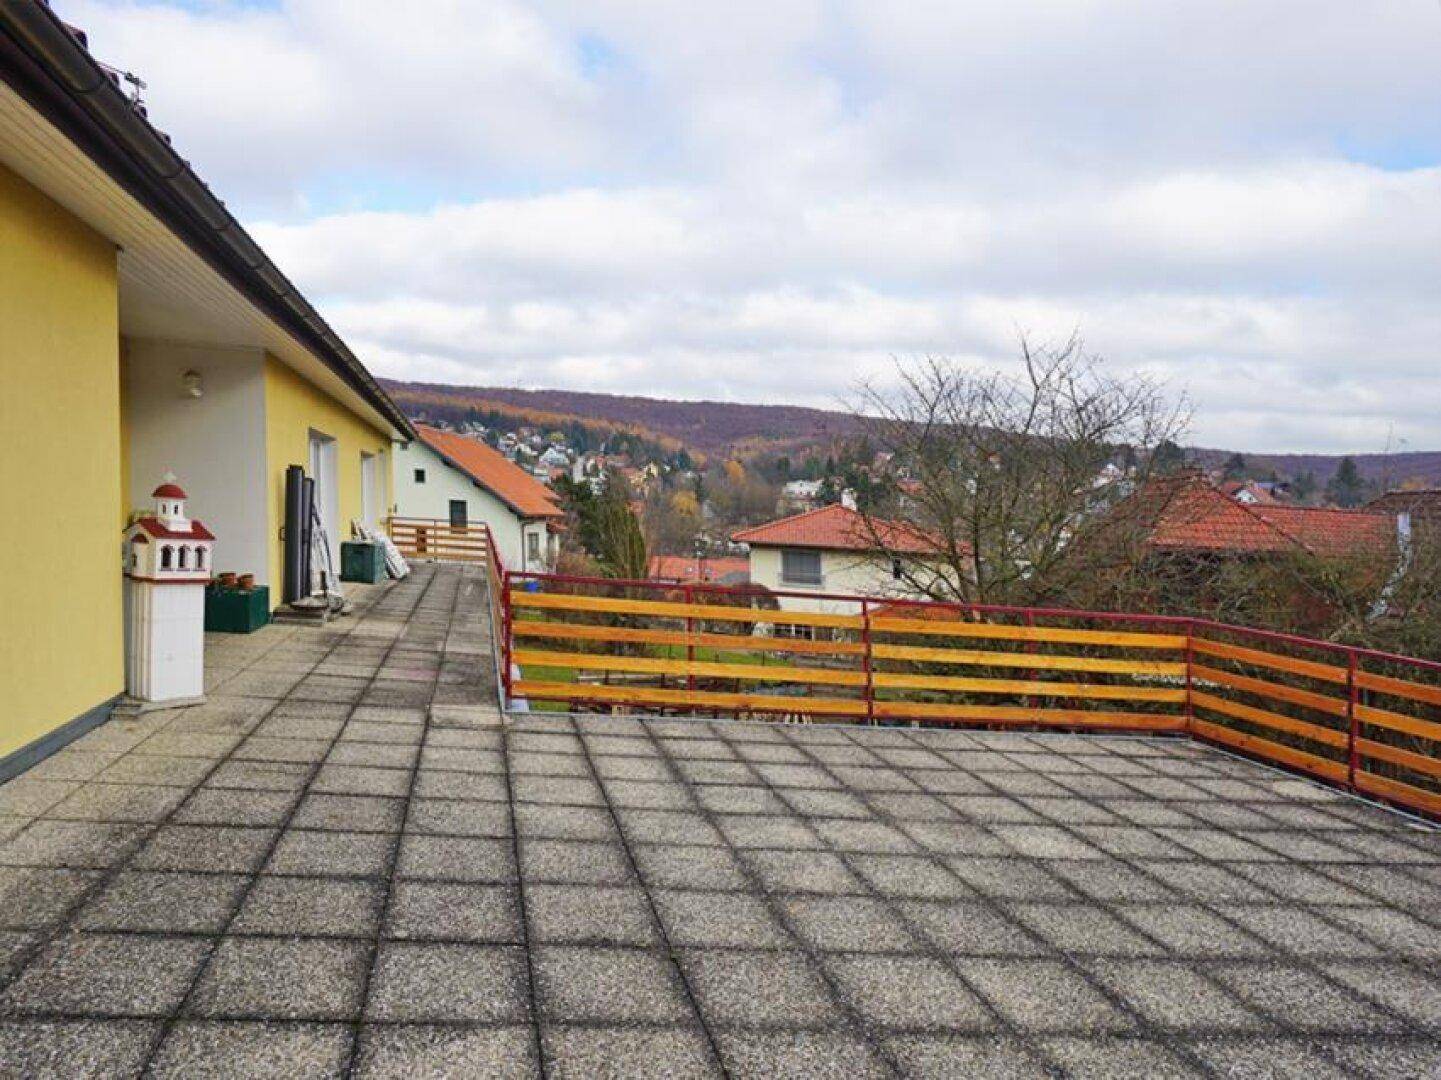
765, 201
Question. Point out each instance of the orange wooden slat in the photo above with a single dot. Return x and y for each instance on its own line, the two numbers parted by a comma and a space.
1394, 721
1421, 763
1399, 687
1254, 744
1029, 660
1002, 631
1397, 791
671, 610
654, 695
737, 642
658, 666
1309, 698
1275, 661
1016, 714
902, 681
1277, 721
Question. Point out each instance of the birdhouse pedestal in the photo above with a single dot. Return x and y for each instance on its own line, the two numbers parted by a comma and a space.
167, 566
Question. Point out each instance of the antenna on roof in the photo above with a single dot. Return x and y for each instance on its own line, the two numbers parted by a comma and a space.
137, 88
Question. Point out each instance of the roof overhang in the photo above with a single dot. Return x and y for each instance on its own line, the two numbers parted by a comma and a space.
188, 271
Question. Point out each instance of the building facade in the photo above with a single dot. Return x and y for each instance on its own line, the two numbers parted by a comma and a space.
142, 331
449, 478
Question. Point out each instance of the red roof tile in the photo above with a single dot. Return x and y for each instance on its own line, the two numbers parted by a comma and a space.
682, 568
1192, 515
836, 528
492, 471
164, 532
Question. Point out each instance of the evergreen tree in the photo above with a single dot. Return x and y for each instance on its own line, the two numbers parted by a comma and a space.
1346, 488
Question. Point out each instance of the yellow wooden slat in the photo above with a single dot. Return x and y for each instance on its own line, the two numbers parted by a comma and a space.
1309, 698
671, 610
1265, 748
1421, 763
654, 695
1002, 631
1275, 661
682, 667
1394, 721
1016, 714
901, 681
1399, 687
560, 631
1040, 661
1277, 721
1406, 794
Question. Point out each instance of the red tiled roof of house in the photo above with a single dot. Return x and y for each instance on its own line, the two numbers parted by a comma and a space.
683, 568
836, 528
1332, 532
1193, 515
490, 469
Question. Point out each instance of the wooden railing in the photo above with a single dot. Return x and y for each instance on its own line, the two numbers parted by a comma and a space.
432, 538
1367, 721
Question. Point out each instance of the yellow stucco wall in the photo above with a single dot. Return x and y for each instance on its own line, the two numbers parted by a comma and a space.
61, 629
294, 408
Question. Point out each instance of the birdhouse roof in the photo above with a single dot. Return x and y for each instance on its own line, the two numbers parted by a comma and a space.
168, 491
153, 527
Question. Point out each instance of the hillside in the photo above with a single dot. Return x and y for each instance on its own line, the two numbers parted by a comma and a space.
718, 427
710, 427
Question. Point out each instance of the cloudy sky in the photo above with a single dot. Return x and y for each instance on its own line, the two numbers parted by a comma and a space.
767, 201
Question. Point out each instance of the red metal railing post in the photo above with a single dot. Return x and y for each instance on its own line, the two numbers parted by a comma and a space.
867, 661
1032, 702
689, 642
506, 644
1190, 663
1353, 725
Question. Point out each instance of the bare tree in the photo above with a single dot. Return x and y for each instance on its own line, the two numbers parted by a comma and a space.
1017, 483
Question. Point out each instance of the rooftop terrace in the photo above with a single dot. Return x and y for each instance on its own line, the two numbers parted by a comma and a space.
346, 862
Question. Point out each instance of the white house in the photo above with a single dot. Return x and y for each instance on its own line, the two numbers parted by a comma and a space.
831, 550
444, 476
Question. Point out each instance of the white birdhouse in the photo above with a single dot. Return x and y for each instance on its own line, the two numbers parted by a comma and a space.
167, 566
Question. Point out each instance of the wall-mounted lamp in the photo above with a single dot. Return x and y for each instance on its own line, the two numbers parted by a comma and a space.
191, 381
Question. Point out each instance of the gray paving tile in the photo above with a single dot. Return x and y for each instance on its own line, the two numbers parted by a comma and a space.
1043, 995
97, 975
1272, 1058
565, 822
675, 866
717, 919
139, 803
447, 911
803, 1055
459, 817
574, 862
37, 898
435, 1052
75, 844
622, 1052
848, 923
1410, 991
574, 914
908, 992
163, 901
217, 1049
1174, 996
482, 859
358, 813
340, 854
318, 906
1115, 1058
216, 806
609, 985
283, 979
1082, 930
908, 876
1300, 999
431, 983
781, 989
74, 1048
959, 1055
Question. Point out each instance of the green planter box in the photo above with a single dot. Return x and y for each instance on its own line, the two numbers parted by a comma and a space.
362, 562
236, 611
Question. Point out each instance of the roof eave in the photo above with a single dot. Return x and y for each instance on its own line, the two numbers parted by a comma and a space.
50, 69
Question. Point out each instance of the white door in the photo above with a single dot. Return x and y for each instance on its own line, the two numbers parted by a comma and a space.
369, 491
327, 493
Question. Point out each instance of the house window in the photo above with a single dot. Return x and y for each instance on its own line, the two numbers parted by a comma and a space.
897, 569
457, 514
420, 476
532, 548
184, 557
801, 567
167, 556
